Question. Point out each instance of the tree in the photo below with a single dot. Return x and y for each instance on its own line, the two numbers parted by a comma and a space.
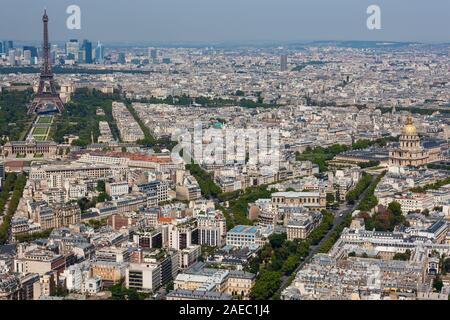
101, 186
356, 192
59, 291
266, 285
446, 265
290, 264
330, 198
437, 283
403, 256
103, 197
169, 286
277, 239
119, 292
205, 181
395, 208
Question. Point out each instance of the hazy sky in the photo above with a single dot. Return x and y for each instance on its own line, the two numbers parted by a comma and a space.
228, 20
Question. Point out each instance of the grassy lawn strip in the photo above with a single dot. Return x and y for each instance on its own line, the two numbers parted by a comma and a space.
40, 131
44, 120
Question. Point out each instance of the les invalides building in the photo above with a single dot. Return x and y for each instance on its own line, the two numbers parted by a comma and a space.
410, 152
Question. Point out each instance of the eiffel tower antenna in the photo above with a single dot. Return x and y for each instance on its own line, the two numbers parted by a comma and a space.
45, 101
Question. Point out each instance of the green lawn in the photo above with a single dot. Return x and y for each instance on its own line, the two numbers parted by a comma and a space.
40, 131
39, 138
43, 120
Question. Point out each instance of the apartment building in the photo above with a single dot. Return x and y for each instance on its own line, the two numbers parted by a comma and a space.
301, 225
211, 228
314, 200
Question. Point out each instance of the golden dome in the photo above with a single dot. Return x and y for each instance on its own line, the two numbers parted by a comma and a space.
409, 128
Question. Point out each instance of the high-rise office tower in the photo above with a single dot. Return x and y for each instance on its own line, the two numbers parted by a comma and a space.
27, 56
7, 45
283, 62
72, 49
99, 52
33, 50
121, 58
87, 51
12, 57
1, 48
153, 54
53, 52
81, 56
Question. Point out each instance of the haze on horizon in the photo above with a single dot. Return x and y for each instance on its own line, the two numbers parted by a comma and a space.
219, 21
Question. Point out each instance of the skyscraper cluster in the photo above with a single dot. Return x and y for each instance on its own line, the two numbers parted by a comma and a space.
84, 52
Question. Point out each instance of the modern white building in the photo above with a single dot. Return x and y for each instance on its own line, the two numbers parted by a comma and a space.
143, 276
246, 236
117, 189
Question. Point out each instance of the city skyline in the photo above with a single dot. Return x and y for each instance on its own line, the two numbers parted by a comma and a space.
200, 22
314, 171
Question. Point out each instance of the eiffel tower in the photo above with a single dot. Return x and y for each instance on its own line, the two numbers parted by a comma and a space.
46, 101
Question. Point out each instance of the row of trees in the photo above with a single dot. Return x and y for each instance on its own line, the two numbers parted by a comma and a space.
148, 137
334, 235
366, 143
7, 187
33, 236
238, 201
229, 220
369, 201
370, 164
80, 117
281, 257
14, 121
417, 110
320, 155
185, 100
70, 70
205, 180
432, 186
355, 193
438, 166
239, 207
18, 182
367, 182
